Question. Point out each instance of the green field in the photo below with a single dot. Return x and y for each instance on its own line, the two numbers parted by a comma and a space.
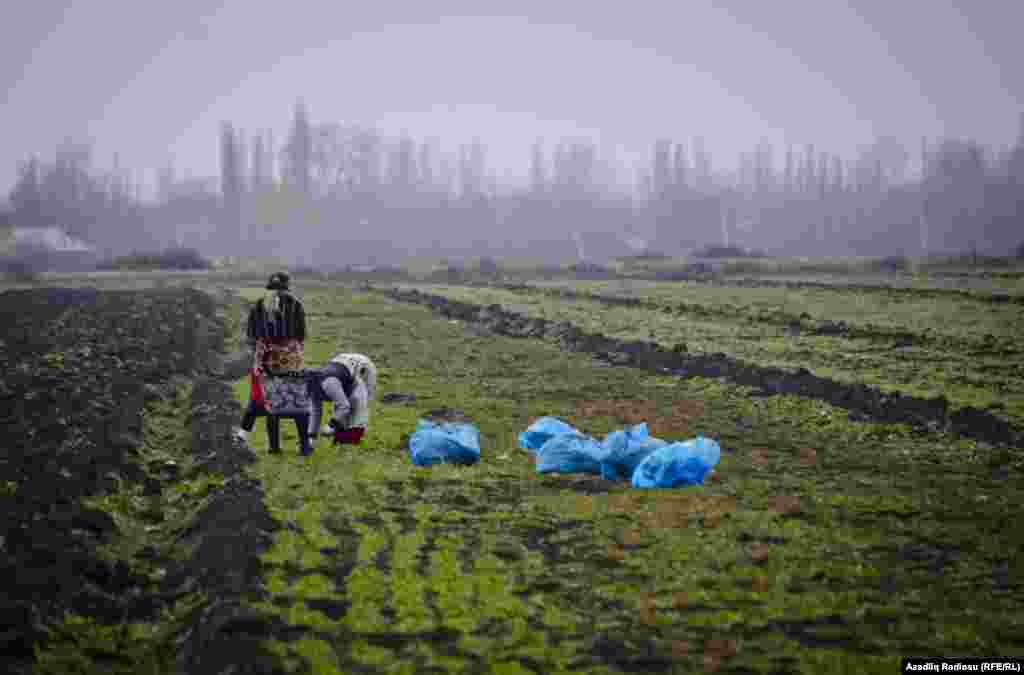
967, 280
822, 545
932, 272
945, 313
819, 544
966, 350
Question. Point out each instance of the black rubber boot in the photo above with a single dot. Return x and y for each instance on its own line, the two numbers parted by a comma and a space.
274, 434
253, 411
302, 425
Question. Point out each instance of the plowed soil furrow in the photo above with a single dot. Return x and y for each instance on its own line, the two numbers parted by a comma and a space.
799, 322
867, 401
127, 545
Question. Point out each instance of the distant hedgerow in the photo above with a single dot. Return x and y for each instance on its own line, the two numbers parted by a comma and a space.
892, 263
169, 259
730, 251
19, 270
489, 267
590, 270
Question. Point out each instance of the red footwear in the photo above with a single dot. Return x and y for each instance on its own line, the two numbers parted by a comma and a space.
350, 436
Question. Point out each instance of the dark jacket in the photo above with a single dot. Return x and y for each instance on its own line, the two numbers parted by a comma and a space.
315, 380
315, 384
289, 322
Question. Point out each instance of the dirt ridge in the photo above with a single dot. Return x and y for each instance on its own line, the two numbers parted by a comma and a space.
226, 537
865, 402
801, 322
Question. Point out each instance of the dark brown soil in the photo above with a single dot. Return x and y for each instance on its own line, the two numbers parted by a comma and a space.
79, 367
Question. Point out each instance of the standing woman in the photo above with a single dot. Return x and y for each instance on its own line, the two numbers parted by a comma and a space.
277, 327
277, 332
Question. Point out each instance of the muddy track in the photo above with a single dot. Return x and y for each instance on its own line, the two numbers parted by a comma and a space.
865, 403
803, 323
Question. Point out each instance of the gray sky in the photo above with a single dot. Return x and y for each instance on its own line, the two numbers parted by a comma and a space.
153, 80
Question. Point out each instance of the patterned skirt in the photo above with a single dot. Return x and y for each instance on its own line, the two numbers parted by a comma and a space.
287, 395
276, 354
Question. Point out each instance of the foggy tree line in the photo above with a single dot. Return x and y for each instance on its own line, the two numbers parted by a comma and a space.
90, 205
334, 193
352, 186
953, 196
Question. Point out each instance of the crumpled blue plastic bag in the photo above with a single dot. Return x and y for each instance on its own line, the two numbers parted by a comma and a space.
569, 453
625, 449
542, 429
678, 464
444, 442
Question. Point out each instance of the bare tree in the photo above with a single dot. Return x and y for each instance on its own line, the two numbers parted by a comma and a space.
298, 153
790, 168
680, 168
538, 173
231, 185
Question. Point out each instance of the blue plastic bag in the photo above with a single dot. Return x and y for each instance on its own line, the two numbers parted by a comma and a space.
678, 464
625, 449
569, 453
538, 433
435, 443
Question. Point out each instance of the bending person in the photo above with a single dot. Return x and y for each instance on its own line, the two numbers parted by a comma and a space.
350, 382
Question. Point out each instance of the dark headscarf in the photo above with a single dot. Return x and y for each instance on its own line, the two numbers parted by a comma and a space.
279, 281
